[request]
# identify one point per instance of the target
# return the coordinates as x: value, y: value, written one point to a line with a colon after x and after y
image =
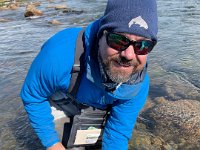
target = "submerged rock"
x: 177, y: 120
x: 13, y: 6
x: 36, y: 4
x: 64, y: 9
x: 147, y: 141
x: 4, y: 20
x: 72, y: 11
x: 167, y: 125
x: 55, y: 22
x: 32, y: 11
x: 58, y: 7
x: 9, y: 6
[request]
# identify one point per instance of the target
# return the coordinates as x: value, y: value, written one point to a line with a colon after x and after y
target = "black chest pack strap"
x: 85, y: 128
x: 78, y: 67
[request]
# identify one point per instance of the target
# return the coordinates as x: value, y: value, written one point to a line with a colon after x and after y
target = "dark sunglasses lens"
x: 116, y: 41
x: 143, y: 47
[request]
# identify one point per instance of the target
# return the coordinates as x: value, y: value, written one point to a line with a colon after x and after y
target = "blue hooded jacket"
x: 51, y: 71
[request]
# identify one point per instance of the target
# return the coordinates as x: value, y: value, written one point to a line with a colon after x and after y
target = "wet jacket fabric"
x: 51, y: 72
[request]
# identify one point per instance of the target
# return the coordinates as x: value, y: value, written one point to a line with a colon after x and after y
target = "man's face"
x: 121, y: 65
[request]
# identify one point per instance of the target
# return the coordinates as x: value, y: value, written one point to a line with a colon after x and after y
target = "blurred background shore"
x: 171, y: 117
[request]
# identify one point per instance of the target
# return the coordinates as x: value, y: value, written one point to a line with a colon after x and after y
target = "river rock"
x: 13, y: 6
x: 32, y: 11
x: 4, y: 20
x: 36, y: 4
x: 9, y: 5
x: 147, y: 141
x: 3, y: 8
x: 177, y: 120
x: 72, y: 11
x: 60, y: 7
x: 55, y: 22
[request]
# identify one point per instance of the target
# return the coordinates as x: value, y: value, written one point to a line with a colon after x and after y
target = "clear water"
x: 174, y: 64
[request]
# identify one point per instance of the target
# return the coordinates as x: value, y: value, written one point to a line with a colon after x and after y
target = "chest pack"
x: 85, y: 128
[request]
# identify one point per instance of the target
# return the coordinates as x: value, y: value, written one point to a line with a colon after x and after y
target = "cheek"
x: 142, y: 59
x: 104, y: 50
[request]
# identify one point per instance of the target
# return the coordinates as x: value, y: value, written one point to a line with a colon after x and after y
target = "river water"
x: 174, y: 66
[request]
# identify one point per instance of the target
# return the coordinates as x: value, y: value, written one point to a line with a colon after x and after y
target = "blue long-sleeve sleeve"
x: 49, y: 72
x: 120, y: 124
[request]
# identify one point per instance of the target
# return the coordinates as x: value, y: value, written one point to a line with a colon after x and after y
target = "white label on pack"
x: 87, y: 136
x: 92, y: 138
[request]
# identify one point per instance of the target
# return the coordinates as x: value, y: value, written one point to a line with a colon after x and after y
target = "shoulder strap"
x: 78, y: 67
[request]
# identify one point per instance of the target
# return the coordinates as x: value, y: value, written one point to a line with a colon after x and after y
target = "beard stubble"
x: 124, y: 71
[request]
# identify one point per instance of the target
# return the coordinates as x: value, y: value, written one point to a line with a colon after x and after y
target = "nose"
x: 128, y: 53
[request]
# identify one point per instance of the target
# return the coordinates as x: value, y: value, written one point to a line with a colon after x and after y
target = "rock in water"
x: 177, y: 120
x: 55, y: 22
x: 60, y: 7
x: 32, y: 11
x: 4, y: 20
x: 147, y: 141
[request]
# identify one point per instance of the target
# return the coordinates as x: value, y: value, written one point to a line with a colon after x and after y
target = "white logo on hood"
x: 138, y: 20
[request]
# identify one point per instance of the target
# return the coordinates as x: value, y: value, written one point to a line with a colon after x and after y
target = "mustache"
x: 125, y: 62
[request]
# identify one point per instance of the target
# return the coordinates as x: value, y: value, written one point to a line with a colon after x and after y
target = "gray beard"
x: 115, y: 76
x: 118, y: 77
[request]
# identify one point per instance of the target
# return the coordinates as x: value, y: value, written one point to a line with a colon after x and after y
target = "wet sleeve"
x: 49, y: 72
x: 120, y: 124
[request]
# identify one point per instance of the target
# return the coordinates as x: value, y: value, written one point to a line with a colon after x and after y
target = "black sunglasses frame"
x: 152, y: 43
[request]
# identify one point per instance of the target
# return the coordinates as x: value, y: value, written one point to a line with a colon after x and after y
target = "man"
x: 115, y: 62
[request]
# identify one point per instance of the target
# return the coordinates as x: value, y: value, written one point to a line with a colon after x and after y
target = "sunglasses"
x: 120, y: 43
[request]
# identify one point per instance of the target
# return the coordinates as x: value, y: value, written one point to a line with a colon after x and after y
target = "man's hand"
x: 57, y: 146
